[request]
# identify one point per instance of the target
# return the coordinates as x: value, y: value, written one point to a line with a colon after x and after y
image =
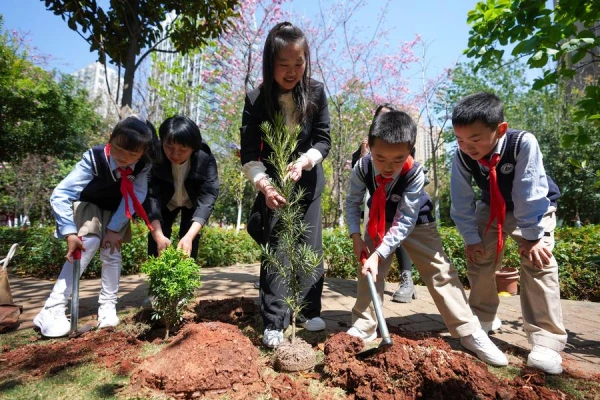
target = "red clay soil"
x: 114, y: 350
x: 426, y: 369
x: 206, y: 359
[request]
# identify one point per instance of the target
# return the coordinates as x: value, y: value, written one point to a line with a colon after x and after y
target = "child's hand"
x: 73, y: 243
x: 536, y: 252
x: 162, y: 242
x: 372, y: 266
x: 185, y: 244
x: 295, y: 169
x: 113, y: 240
x: 359, y: 246
x: 474, y: 251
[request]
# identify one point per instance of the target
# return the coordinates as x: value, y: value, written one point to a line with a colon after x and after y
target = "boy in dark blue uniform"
x: 517, y: 199
x: 400, y: 213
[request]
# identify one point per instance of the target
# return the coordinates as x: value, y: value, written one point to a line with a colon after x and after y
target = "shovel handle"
x: 385, y: 334
x: 75, y: 295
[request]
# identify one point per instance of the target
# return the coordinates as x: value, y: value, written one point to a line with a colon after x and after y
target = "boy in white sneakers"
x: 517, y: 199
x: 400, y: 212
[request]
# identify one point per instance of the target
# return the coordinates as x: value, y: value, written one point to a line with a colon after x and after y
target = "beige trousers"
x: 424, y: 246
x: 540, y: 291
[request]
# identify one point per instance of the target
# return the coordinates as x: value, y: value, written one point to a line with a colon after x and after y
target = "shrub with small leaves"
x: 173, y: 278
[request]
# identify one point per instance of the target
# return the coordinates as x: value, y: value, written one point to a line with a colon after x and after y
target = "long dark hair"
x: 282, y: 35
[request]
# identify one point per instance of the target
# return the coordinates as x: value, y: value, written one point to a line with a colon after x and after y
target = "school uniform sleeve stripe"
x: 462, y: 207
x: 406, y: 216
x: 530, y: 189
x: 354, y: 199
x: 68, y: 191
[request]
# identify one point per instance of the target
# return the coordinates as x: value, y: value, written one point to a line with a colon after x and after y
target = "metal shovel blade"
x: 386, y: 340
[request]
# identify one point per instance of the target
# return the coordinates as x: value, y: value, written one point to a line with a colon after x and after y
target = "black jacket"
x: 201, y: 184
x: 314, y: 134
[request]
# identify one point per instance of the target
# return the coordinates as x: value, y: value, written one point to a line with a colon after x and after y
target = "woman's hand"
x: 273, y: 199
x: 295, y: 169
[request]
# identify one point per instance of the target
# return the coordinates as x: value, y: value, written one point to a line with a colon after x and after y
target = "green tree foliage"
x: 131, y: 27
x: 39, y: 114
x: 557, y: 40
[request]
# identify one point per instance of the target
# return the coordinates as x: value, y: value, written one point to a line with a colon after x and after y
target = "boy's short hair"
x: 181, y: 130
x: 481, y: 107
x: 393, y: 127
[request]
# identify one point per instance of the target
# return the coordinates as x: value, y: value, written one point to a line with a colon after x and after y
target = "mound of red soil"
x: 203, y: 360
x: 427, y: 369
x: 112, y: 349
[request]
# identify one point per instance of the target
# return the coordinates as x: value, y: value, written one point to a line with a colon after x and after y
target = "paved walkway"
x: 582, y: 319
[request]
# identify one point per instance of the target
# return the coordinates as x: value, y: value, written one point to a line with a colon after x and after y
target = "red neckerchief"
x: 376, y: 224
x: 127, y: 191
x: 497, y: 204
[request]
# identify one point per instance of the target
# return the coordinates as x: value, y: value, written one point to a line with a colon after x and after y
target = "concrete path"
x: 582, y: 319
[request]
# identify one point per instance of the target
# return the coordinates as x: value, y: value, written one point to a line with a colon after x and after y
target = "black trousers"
x: 276, y: 314
x: 404, y: 261
x: 167, y: 227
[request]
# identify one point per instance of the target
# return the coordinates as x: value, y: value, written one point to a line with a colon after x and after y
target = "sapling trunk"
x: 292, y: 259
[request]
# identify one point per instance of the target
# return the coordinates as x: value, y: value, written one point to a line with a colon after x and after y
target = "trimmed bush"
x: 42, y: 256
x: 338, y: 255
x: 220, y: 247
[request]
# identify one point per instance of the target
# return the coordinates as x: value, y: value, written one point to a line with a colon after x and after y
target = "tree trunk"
x: 239, y: 217
x: 130, y: 66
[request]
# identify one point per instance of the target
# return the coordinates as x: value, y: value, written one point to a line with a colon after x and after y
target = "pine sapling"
x: 292, y: 259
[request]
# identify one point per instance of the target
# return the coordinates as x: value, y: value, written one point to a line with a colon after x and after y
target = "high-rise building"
x: 181, y: 71
x: 94, y: 79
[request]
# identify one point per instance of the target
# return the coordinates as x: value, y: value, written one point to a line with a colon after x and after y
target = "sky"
x: 441, y: 23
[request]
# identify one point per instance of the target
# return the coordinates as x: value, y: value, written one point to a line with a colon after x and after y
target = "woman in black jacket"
x: 186, y: 181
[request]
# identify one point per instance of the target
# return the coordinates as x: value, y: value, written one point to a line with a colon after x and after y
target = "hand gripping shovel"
x: 386, y: 340
x: 75, y: 300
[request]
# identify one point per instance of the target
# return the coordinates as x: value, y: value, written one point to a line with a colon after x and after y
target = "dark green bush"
x: 224, y: 247
x: 42, y: 256
x: 338, y: 255
x: 577, y: 253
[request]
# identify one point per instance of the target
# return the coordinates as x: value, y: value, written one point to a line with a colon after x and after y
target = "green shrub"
x: 338, y: 254
x: 172, y: 279
x: 219, y: 247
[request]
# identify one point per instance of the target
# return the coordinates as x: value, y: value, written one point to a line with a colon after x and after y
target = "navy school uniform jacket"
x: 201, y: 185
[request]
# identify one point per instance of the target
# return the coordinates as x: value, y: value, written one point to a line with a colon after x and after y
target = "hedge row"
x: 577, y: 253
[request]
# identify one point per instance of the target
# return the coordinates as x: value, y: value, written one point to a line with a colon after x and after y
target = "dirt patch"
x: 299, y: 356
x: 114, y: 350
x: 203, y: 360
x: 426, y: 369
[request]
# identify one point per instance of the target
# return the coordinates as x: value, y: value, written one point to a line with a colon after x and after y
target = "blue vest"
x: 396, y: 190
x: 104, y: 190
x: 505, y: 171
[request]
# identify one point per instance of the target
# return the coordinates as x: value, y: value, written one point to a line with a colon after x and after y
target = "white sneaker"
x: 359, y: 333
x: 272, y: 337
x: 314, y: 324
x: 480, y: 344
x: 53, y: 322
x: 546, y: 359
x: 107, y: 317
x: 491, y: 326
